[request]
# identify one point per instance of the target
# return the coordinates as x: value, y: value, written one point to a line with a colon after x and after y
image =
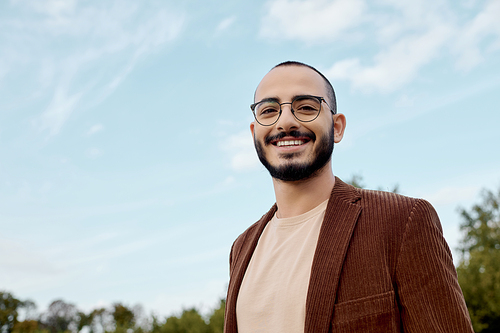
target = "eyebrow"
x: 269, y: 99
x: 277, y: 99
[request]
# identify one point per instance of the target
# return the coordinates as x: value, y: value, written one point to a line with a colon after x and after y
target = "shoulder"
x: 386, y: 208
x: 240, y: 240
x: 387, y: 203
x: 369, y: 198
x: 396, y: 204
x: 251, y: 234
x: 374, y: 198
x: 400, y: 220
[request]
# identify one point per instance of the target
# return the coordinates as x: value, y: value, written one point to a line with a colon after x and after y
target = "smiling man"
x: 329, y: 257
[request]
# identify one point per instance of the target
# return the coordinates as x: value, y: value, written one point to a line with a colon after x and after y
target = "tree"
x: 356, y: 181
x: 9, y: 310
x: 479, y: 267
x: 60, y: 316
x: 84, y: 320
x: 216, y: 320
x: 27, y: 326
x: 101, y: 321
x: 123, y: 316
x: 156, y: 325
x: 189, y: 322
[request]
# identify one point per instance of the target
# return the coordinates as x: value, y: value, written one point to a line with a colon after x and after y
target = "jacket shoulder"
x: 251, y: 233
x: 390, y: 203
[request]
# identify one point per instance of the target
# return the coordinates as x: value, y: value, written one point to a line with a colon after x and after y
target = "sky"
x: 127, y: 167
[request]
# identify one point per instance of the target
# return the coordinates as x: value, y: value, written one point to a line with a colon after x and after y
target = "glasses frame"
x: 319, y: 98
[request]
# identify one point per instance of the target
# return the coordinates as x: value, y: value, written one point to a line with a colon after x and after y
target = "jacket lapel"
x: 241, y: 254
x: 340, y: 219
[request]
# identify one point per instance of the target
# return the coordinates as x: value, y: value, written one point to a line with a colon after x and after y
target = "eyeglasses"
x: 305, y: 108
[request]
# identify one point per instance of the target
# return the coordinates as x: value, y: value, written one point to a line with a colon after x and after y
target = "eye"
x: 306, y: 105
x: 268, y: 109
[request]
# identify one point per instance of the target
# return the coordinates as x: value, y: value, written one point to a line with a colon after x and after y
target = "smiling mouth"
x: 289, y: 143
x: 290, y: 139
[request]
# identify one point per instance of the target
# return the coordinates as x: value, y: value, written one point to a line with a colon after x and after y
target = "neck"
x: 298, y: 197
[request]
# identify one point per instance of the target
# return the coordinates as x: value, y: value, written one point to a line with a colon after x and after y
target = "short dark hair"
x: 332, y: 101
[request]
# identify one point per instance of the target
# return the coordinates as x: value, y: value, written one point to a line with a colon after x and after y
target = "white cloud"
x: 77, y: 53
x: 94, y: 152
x: 394, y: 66
x: 452, y: 195
x: 17, y: 257
x: 94, y: 129
x: 400, y: 37
x: 225, y: 24
x: 241, y: 148
x: 405, y: 101
x: 310, y: 21
x: 484, y: 25
x: 54, y: 8
x: 409, y: 34
x: 58, y: 111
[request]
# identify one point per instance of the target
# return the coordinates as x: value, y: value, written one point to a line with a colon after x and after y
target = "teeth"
x: 290, y: 143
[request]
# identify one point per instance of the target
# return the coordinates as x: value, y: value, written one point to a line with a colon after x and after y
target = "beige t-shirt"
x: 273, y: 292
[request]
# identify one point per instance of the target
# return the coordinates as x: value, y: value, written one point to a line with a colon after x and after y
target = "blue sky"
x: 127, y: 167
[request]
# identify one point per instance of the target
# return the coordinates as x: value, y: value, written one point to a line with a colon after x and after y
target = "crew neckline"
x: 294, y: 220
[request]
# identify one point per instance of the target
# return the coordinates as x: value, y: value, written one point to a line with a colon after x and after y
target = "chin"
x: 291, y: 167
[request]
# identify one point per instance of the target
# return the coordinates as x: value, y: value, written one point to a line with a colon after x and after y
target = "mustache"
x: 295, y: 134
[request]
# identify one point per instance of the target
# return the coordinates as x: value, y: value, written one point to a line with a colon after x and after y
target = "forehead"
x: 285, y: 82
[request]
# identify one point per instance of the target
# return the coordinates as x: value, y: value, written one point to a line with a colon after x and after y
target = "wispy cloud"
x: 241, y: 150
x: 55, y: 264
x: 79, y: 52
x: 400, y: 37
x: 474, y: 33
x: 394, y: 66
x: 94, y: 129
x: 59, y: 110
x: 17, y: 257
x: 225, y: 24
x: 310, y: 21
x: 452, y: 195
x: 94, y: 152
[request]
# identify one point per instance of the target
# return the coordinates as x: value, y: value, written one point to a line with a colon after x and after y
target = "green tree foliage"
x: 356, y: 181
x: 216, y: 320
x: 62, y: 317
x: 479, y: 268
x: 156, y: 325
x: 59, y: 316
x: 189, y: 322
x: 123, y: 316
x: 27, y: 326
x: 84, y: 320
x: 9, y: 310
x: 101, y: 320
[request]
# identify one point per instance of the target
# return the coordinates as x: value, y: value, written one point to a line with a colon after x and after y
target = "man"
x: 329, y: 257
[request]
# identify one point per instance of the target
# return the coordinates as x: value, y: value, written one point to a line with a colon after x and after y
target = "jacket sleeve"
x: 231, y: 259
x: 429, y: 295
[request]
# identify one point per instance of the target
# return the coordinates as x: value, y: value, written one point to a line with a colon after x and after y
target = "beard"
x: 294, y: 171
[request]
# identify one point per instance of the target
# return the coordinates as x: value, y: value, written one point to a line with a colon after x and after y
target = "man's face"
x: 292, y: 150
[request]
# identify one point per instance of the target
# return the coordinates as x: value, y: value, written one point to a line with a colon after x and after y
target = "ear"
x: 339, y: 124
x: 252, y: 128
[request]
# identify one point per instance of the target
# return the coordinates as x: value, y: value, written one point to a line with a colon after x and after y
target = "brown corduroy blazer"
x: 381, y: 265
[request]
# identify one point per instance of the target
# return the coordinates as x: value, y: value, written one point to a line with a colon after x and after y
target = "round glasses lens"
x: 267, y: 112
x: 306, y: 108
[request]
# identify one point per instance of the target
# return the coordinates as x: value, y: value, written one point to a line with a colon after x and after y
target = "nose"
x: 287, y: 120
